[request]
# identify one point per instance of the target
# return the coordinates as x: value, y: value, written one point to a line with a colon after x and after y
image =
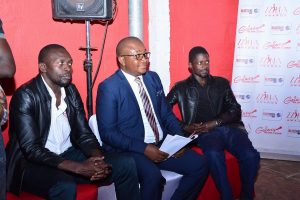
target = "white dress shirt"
x: 58, y: 139
x: 149, y: 134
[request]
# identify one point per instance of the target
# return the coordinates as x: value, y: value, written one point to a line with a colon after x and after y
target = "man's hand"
x: 93, y: 168
x: 194, y: 128
x: 154, y: 154
x: 200, y: 127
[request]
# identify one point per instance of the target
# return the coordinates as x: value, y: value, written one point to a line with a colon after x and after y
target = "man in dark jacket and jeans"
x: 208, y: 108
x: 51, y: 146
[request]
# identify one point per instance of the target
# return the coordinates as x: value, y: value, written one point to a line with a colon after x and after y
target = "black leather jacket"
x: 221, y: 97
x: 30, y: 111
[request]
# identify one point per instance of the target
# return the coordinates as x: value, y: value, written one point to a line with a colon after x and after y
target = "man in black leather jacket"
x: 51, y: 146
x: 208, y: 108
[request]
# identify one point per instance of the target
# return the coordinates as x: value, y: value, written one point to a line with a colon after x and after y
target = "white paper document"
x: 174, y: 143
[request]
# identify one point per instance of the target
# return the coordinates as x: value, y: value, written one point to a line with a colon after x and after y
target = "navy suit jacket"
x: 118, y: 114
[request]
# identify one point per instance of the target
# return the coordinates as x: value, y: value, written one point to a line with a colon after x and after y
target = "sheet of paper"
x: 174, y: 143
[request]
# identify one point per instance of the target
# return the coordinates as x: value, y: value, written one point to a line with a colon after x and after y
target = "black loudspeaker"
x: 82, y: 9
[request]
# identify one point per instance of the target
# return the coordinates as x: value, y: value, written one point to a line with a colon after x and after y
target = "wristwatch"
x: 218, y: 122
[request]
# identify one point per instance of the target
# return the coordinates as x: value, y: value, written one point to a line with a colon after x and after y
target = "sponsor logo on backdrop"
x: 272, y: 80
x: 278, y: 45
x: 248, y: 128
x: 280, y: 29
x: 252, y: 28
x: 297, y: 11
x: 249, y: 114
x: 298, y: 29
x: 249, y: 12
x: 295, y: 81
x: 268, y: 130
x: 246, y: 43
x: 243, y: 97
x: 293, y: 131
x: 298, y: 46
x: 246, y: 79
x: 270, y: 61
x: 292, y: 100
x: 293, y: 64
x: 276, y: 10
x: 266, y: 98
x: 272, y: 115
x: 293, y: 116
x: 244, y: 61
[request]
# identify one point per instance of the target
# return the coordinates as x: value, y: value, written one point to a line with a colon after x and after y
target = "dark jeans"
x: 2, y: 169
x: 191, y: 165
x: 235, y: 141
x: 55, y: 184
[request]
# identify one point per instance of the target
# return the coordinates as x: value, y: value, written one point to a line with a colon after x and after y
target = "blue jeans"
x: 235, y: 141
x: 55, y: 184
x: 2, y: 169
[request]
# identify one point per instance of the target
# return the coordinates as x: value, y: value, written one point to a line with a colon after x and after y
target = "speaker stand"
x: 88, y: 65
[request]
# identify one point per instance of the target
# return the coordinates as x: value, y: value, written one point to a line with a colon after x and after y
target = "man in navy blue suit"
x: 133, y: 116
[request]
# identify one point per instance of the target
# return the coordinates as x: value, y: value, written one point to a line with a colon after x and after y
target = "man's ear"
x: 190, y: 67
x: 42, y: 67
x: 121, y: 60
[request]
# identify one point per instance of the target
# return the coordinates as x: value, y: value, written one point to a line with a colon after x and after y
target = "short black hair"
x: 45, y: 50
x: 195, y: 51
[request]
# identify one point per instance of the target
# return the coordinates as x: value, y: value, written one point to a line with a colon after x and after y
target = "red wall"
x: 207, y: 23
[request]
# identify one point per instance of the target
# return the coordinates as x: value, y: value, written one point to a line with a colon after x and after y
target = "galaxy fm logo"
x: 250, y: 11
x: 242, y: 97
x: 244, y: 61
x: 293, y: 131
x: 280, y: 29
x: 271, y: 80
x: 272, y: 115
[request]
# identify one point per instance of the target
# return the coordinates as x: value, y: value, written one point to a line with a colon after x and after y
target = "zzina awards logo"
x: 250, y: 11
x: 247, y: 43
x: 293, y: 116
x: 266, y: 98
x: 293, y: 131
x: 270, y: 61
x: 295, y: 81
x: 269, y: 130
x: 272, y: 115
x: 271, y: 80
x: 243, y: 97
x: 244, y: 61
x: 276, y: 10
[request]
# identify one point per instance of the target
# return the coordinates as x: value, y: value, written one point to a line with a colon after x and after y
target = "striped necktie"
x: 148, y: 108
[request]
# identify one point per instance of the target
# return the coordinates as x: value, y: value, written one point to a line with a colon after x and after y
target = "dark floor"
x: 278, y: 180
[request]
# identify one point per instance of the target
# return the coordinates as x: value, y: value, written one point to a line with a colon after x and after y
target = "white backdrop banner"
x: 266, y: 73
